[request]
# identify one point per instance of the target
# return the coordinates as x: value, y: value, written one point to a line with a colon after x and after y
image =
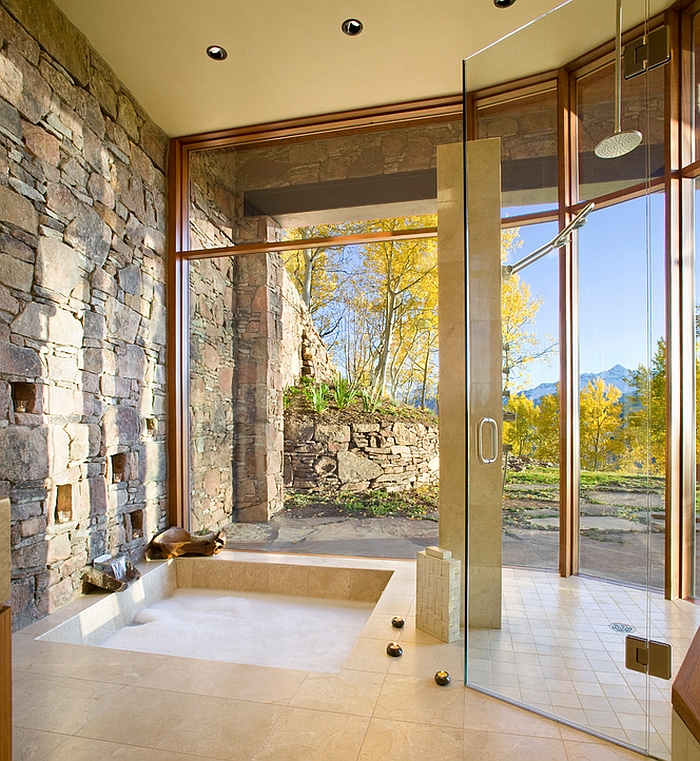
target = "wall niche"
x: 64, y: 503
x: 24, y: 397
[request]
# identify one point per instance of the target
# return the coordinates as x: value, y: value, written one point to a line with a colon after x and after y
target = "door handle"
x: 484, y: 423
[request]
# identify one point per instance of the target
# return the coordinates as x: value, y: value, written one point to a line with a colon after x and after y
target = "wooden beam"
x: 5, y: 684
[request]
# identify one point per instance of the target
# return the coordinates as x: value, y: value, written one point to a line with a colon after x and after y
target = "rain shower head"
x: 618, y: 144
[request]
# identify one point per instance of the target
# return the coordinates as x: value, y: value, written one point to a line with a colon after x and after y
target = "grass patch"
x: 590, y: 479
x: 420, y: 503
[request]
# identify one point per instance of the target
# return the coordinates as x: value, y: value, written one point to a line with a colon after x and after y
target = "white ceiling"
x: 289, y: 58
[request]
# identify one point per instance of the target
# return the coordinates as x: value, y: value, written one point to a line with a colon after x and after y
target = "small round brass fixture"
x: 442, y: 678
x: 397, y: 622
x: 352, y: 27
x: 394, y: 650
x: 217, y: 53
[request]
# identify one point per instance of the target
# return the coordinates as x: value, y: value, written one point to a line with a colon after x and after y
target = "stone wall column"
x: 258, y: 389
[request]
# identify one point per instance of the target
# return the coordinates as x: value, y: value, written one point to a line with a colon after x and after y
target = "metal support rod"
x: 559, y: 241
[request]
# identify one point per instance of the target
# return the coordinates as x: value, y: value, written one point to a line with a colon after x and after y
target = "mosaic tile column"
x: 438, y: 577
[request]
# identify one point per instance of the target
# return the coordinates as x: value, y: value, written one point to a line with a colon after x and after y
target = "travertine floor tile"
x: 68, y: 706
x: 414, y: 699
x: 179, y: 722
x: 33, y: 744
x: 411, y: 742
x: 350, y: 692
x: 305, y: 735
x: 261, y: 685
x: 83, y: 749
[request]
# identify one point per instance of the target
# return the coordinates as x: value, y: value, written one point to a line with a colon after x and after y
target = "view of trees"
x: 375, y: 305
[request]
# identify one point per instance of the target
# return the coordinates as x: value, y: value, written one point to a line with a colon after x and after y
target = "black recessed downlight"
x: 217, y: 53
x: 352, y: 27
x: 503, y: 3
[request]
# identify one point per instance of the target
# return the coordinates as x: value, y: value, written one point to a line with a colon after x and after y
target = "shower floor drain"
x: 624, y: 628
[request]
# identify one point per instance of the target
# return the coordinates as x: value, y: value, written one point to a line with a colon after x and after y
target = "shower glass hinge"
x: 648, y: 657
x: 647, y: 52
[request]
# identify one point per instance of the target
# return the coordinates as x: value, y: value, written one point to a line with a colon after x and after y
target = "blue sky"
x: 616, y: 285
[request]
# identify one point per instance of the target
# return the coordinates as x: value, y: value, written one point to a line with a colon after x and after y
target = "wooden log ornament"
x: 176, y: 541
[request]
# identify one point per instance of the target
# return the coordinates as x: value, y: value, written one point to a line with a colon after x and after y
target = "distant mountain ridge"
x: 615, y: 376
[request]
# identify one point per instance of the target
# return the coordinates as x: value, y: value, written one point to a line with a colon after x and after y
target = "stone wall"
x: 303, y: 352
x: 250, y: 337
x: 82, y: 308
x: 374, y: 452
x: 344, y: 157
x: 212, y: 365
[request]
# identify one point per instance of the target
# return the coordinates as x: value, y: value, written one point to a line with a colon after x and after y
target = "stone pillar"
x: 258, y: 387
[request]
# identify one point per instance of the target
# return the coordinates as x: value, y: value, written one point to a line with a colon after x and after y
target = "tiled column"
x: 483, y: 577
x: 438, y: 593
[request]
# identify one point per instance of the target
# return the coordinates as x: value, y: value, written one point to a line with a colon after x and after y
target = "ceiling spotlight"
x: 503, y: 3
x: 352, y: 27
x: 217, y: 53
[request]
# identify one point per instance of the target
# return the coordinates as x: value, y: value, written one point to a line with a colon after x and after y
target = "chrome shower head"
x: 618, y: 144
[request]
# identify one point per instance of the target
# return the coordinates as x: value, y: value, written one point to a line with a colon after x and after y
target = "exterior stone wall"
x: 381, y: 152
x: 356, y: 455
x: 303, y: 351
x: 212, y: 365
x: 82, y: 308
x: 250, y: 337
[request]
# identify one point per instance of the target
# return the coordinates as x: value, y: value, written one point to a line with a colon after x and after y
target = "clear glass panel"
x: 527, y: 127
x: 623, y: 392
x: 335, y: 434
x: 212, y: 342
x: 530, y: 329
x: 642, y: 109
x: 560, y: 649
x: 254, y: 193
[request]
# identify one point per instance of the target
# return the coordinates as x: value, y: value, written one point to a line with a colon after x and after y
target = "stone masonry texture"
x: 82, y: 308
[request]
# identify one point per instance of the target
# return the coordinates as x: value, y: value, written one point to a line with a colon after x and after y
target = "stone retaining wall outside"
x: 375, y: 453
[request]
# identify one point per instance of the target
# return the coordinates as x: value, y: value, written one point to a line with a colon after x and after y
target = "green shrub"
x: 344, y: 392
x: 318, y: 397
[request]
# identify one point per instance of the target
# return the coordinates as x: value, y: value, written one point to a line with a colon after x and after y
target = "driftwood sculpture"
x: 176, y: 541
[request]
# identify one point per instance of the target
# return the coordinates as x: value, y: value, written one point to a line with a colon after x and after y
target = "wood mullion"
x: 178, y: 353
x: 680, y: 318
x: 568, y: 337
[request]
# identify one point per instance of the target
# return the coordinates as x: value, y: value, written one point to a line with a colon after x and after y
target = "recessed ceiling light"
x: 217, y: 53
x: 503, y: 3
x: 352, y: 27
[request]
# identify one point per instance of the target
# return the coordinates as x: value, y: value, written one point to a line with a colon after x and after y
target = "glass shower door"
x: 558, y: 645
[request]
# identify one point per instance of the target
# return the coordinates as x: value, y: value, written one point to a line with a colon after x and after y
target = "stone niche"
x: 82, y: 308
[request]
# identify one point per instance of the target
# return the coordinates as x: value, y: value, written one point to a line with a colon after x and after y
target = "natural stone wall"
x: 82, y: 308
x: 380, y: 152
x: 303, y: 351
x: 250, y: 336
x: 212, y: 365
x: 355, y: 455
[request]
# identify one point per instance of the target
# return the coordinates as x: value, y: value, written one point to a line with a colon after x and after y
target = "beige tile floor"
x: 79, y: 703
x: 557, y: 652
